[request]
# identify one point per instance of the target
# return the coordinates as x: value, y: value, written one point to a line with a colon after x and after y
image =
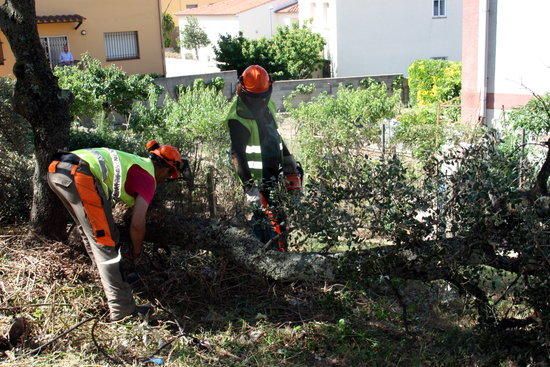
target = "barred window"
x: 121, y: 45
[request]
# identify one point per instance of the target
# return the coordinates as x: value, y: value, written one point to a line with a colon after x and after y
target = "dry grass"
x: 211, y: 312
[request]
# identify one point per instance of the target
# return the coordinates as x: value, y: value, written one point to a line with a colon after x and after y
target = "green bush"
x: 294, y: 52
x: 534, y: 117
x: 194, y: 118
x: 99, y: 89
x: 168, y: 27
x: 329, y: 127
x: 432, y: 81
x: 16, y: 155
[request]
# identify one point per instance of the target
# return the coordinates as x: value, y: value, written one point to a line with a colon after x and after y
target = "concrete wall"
x: 101, y: 17
x: 384, y: 37
x: 281, y: 89
x: 171, y: 84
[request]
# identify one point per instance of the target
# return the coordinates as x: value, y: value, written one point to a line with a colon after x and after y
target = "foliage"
x: 193, y: 36
x: 218, y: 83
x: 294, y: 52
x: 432, y: 81
x: 98, y: 89
x: 330, y: 126
x: 194, y: 119
x: 168, y: 27
x: 298, y: 50
x: 534, y: 117
x: 15, y: 154
x: 426, y: 129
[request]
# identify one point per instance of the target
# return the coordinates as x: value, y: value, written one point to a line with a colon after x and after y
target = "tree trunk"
x: 197, y: 53
x: 40, y: 101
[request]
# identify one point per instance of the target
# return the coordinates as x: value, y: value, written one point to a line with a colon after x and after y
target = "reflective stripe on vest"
x: 110, y: 168
x: 253, y: 145
x: 117, y: 179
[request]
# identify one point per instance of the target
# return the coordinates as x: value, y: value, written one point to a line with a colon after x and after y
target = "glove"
x: 253, y: 196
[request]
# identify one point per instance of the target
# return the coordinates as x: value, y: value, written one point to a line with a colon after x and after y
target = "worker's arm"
x: 137, y: 226
x: 239, y: 136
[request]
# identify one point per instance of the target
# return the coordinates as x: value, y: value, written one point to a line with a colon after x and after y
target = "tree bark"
x: 38, y: 98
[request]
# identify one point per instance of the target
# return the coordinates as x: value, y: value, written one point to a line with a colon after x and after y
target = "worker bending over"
x: 88, y: 181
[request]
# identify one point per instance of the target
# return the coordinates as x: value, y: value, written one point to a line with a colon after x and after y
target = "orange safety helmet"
x: 168, y: 154
x: 255, y: 79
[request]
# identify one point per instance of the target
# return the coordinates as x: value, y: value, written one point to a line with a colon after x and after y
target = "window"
x: 1, y: 54
x: 439, y: 8
x: 325, y: 13
x: 53, y: 46
x: 439, y: 58
x: 312, y: 13
x: 191, y: 6
x: 121, y: 46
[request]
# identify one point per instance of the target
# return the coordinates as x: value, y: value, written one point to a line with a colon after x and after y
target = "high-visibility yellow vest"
x: 253, y: 145
x: 110, y: 168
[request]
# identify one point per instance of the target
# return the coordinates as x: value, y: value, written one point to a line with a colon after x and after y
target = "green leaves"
x: 294, y: 52
x: 193, y: 36
x: 433, y: 81
x: 534, y: 117
x: 100, y: 89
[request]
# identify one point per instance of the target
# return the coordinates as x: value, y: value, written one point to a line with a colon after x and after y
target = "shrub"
x: 16, y: 155
x: 102, y: 89
x: 293, y: 53
x: 168, y: 27
x: 534, y: 117
x: 195, y: 117
x: 432, y: 81
x: 329, y: 127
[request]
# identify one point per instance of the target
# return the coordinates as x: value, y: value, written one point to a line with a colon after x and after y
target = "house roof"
x: 291, y: 7
x: 225, y: 7
x: 62, y: 18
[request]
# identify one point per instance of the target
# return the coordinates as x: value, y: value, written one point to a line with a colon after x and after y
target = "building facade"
x: 368, y: 37
x: 124, y: 32
x: 506, y: 56
x: 254, y: 18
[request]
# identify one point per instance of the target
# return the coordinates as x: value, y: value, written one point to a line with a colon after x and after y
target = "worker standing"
x: 259, y: 154
x: 87, y: 181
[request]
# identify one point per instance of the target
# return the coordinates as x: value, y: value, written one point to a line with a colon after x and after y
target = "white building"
x: 254, y: 18
x: 506, y: 55
x: 368, y: 37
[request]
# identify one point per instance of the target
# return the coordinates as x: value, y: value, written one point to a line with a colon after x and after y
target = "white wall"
x: 519, y: 51
x: 255, y: 23
x: 259, y: 22
x: 384, y: 37
x: 214, y: 26
x: 321, y: 17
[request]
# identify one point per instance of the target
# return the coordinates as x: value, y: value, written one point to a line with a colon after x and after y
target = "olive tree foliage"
x: 193, y: 37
